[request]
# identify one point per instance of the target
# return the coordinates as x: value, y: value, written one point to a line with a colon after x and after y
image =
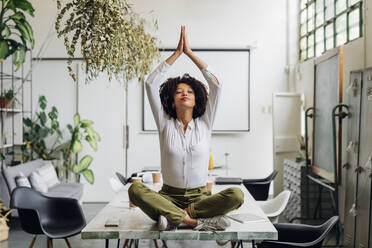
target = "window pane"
x: 303, y: 16
x: 319, y: 41
x: 329, y: 9
x: 303, y: 29
x: 329, y: 36
x: 319, y: 6
x: 310, y: 25
x: 352, y: 2
x: 303, y: 4
x: 354, y: 29
x: 319, y: 9
x: 341, y: 30
x: 310, y: 45
x: 311, y: 10
x: 303, y: 43
x: 340, y: 6
x: 310, y: 16
x: 303, y: 55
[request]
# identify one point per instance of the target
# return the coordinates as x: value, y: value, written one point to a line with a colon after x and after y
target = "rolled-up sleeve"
x: 152, y: 85
x: 215, y: 87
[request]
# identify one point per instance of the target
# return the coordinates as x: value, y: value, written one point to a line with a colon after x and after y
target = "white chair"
x: 274, y: 207
x: 115, y: 184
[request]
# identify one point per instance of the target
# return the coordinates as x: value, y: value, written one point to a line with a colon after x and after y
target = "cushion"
x: 70, y: 190
x: 11, y: 172
x: 22, y: 181
x: 38, y: 183
x: 49, y: 175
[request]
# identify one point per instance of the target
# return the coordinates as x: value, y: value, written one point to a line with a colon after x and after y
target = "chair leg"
x: 233, y: 243
x: 130, y: 243
x: 156, y: 243
x: 49, y: 243
x: 125, y: 243
x: 164, y: 243
x: 68, y: 243
x: 32, y: 242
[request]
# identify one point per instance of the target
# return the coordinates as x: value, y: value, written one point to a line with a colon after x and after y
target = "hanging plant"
x: 111, y: 37
x: 16, y: 35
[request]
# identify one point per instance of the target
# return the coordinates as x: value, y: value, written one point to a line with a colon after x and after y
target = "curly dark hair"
x: 168, y: 88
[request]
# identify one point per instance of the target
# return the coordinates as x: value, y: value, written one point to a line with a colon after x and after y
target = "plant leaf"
x: 92, y: 142
x: 76, y: 119
x: 89, y: 176
x: 86, y: 123
x: 18, y: 16
x: 4, y: 49
x: 69, y: 127
x: 22, y: 56
x: 27, y: 122
x: 30, y: 32
x: 75, y: 169
x: 24, y: 5
x: 85, y: 162
x: 7, y: 31
x: 76, y: 146
x: 42, y: 102
x: 43, y: 118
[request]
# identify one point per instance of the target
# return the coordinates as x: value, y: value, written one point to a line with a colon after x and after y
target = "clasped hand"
x: 183, y: 44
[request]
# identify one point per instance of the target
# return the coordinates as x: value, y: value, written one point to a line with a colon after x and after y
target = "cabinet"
x: 304, y: 199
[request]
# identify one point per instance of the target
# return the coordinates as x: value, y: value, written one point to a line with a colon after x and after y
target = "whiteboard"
x: 231, y: 67
x: 326, y: 97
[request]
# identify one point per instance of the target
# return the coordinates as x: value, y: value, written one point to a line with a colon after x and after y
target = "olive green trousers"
x: 171, y: 202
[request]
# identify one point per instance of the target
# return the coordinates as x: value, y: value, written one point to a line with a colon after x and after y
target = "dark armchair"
x: 259, y: 188
x: 298, y: 235
x: 57, y: 218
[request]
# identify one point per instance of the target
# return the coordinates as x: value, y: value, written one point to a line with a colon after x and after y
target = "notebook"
x: 246, y: 218
x: 228, y: 180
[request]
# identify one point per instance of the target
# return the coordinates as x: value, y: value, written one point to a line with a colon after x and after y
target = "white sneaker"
x: 164, y: 225
x: 213, y: 224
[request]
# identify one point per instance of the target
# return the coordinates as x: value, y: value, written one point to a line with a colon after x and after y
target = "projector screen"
x: 231, y: 67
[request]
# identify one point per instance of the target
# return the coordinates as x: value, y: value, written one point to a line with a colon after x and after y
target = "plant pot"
x: 5, y: 103
x: 4, y: 230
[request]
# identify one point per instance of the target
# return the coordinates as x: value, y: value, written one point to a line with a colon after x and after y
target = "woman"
x: 184, y: 115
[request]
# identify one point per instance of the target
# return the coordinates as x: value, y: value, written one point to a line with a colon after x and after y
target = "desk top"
x: 134, y: 224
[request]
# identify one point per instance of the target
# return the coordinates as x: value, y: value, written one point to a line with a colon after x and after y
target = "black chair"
x: 299, y: 235
x: 57, y: 218
x: 122, y: 178
x: 259, y: 188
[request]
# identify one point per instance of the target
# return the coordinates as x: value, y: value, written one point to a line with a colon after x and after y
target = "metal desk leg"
x: 118, y: 245
x: 107, y: 243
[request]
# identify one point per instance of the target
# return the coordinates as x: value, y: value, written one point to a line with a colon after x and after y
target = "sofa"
x: 59, y: 189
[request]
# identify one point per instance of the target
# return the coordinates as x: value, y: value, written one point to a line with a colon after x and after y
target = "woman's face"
x: 184, y: 96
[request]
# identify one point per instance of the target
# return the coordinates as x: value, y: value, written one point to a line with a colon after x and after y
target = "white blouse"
x: 184, y: 155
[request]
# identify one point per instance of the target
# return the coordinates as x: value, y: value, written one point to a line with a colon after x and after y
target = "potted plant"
x: 111, y: 37
x: 16, y: 35
x: 6, y: 99
x: 4, y: 229
x: 39, y: 128
x: 82, y: 130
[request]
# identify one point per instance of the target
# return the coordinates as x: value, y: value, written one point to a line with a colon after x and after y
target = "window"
x: 325, y: 24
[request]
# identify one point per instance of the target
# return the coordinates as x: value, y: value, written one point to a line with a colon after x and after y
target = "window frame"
x: 349, y: 8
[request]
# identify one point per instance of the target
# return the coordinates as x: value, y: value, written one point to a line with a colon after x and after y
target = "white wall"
x: 209, y: 23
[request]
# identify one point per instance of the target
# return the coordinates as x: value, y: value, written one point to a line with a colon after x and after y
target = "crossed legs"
x: 178, y: 211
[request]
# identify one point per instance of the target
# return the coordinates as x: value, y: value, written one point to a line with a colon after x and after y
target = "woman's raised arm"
x: 214, y: 85
x: 154, y: 81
